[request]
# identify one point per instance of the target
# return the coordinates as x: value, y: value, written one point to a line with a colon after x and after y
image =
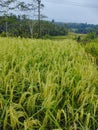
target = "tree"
x: 5, y: 7
x: 34, y: 8
x: 39, y: 3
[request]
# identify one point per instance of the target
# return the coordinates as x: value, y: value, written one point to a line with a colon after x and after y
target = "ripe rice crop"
x: 47, y: 85
x: 92, y: 48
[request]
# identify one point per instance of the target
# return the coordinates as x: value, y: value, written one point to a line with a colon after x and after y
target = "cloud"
x: 72, y: 10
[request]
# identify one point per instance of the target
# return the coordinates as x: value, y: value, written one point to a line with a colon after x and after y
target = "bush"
x: 47, y: 36
x: 3, y: 34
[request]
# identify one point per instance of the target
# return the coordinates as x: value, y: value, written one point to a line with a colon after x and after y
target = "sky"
x: 79, y: 11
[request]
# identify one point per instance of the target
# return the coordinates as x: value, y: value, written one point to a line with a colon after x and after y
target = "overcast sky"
x: 80, y: 11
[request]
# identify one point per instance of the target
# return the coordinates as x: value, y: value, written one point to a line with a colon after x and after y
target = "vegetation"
x: 90, y: 37
x: 47, y: 85
x: 82, y: 28
x: 23, y: 27
x: 92, y: 48
x: 7, y: 6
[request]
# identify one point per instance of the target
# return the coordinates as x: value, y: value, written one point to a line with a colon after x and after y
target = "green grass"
x: 70, y: 35
x: 47, y: 85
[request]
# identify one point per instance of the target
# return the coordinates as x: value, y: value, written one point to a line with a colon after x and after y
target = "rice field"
x: 47, y: 85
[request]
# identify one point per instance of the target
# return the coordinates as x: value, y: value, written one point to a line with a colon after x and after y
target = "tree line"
x: 24, y: 27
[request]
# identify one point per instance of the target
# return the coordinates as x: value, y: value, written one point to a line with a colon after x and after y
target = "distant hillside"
x: 82, y: 28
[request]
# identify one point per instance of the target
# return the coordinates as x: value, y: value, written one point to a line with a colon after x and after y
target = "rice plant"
x: 47, y: 85
x: 92, y: 48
